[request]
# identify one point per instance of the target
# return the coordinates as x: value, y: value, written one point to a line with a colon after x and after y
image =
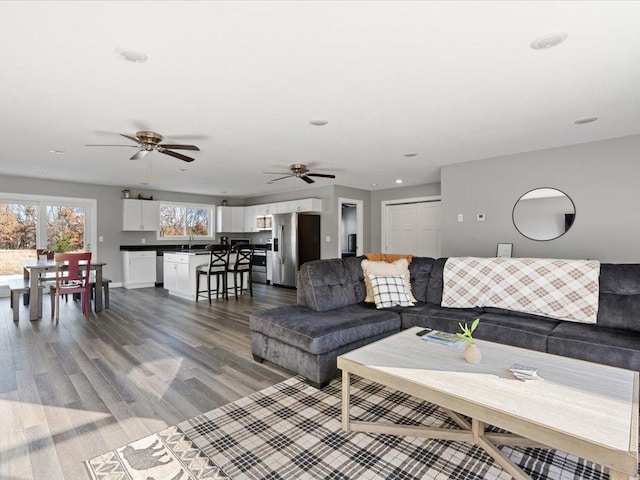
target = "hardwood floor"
x: 71, y: 391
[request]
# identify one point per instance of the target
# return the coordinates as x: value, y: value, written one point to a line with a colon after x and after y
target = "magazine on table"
x: 443, y: 338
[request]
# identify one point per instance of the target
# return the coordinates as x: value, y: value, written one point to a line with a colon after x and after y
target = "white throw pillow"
x: 389, y: 291
x: 399, y: 267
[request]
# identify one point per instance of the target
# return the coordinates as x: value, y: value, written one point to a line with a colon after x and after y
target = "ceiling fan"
x: 149, y: 141
x: 299, y: 170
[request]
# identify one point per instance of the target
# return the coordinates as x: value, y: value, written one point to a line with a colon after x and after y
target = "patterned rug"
x: 292, y: 431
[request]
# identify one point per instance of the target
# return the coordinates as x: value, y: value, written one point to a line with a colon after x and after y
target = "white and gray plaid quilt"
x: 561, y: 289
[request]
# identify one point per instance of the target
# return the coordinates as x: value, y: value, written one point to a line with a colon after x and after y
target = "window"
x: 28, y: 222
x: 179, y: 220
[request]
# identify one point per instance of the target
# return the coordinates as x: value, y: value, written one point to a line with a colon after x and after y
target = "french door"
x: 31, y: 222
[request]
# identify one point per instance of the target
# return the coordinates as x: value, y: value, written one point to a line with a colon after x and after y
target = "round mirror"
x: 544, y: 214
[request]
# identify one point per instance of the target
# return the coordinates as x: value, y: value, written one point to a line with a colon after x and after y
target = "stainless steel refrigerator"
x: 296, y: 240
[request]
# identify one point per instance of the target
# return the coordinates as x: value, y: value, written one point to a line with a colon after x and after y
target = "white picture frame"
x: 505, y: 250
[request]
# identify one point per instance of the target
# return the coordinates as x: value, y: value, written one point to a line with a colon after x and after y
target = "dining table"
x: 33, y: 269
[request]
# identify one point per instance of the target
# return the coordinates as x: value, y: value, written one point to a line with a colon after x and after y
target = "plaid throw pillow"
x: 389, y: 291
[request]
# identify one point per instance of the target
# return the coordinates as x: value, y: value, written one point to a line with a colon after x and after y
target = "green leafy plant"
x: 62, y: 245
x: 467, y: 332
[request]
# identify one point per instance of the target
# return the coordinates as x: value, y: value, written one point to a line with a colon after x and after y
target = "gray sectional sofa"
x: 331, y: 318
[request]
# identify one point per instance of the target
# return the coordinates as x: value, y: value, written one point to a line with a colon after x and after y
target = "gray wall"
x: 109, y: 212
x: 600, y: 177
x: 417, y: 191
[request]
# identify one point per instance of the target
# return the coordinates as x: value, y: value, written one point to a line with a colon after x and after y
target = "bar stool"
x: 217, y: 266
x: 242, y: 265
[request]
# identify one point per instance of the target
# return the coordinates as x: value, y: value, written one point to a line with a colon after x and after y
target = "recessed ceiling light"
x: 549, y: 40
x: 144, y: 183
x: 374, y: 184
x: 224, y: 191
x: 269, y: 182
x: 42, y: 172
x: 131, y: 56
x: 183, y: 170
x: 410, y: 154
x: 318, y: 123
x: 582, y: 121
x: 399, y: 180
x: 58, y: 152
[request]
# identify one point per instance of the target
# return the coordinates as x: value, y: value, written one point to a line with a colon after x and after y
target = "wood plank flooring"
x: 71, y: 391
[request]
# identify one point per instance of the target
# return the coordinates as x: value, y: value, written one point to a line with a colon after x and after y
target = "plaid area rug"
x: 292, y: 431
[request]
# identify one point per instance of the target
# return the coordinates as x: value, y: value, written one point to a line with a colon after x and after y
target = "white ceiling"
x: 452, y: 81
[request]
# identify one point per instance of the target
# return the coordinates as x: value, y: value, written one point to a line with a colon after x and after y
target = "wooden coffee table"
x: 583, y: 408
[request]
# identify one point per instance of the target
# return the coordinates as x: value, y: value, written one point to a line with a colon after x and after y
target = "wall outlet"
x: 327, y: 238
x: 480, y: 217
x: 460, y: 217
x: 143, y: 241
x: 101, y: 238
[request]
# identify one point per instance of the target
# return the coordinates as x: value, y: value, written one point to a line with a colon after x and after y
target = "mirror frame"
x: 513, y: 214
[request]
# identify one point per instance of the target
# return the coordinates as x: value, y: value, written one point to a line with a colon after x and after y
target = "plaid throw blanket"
x: 562, y: 289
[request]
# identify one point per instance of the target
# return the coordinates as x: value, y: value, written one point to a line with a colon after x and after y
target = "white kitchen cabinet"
x: 309, y: 205
x: 250, y: 219
x: 265, y: 209
x: 286, y: 207
x: 229, y: 219
x: 177, y: 273
x: 140, y: 215
x: 139, y: 269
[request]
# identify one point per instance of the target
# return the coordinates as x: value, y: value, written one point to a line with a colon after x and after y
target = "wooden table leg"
x: 98, y: 298
x: 346, y: 392
x: 35, y: 300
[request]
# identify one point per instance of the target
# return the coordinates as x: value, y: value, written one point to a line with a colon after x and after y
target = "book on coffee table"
x: 444, y: 338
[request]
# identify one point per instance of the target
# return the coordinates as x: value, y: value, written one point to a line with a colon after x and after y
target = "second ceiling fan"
x: 299, y: 170
x: 148, y: 141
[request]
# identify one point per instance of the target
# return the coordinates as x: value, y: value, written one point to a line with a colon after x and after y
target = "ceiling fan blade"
x: 176, y: 155
x: 131, y: 138
x: 307, y: 179
x: 139, y: 154
x: 280, y: 178
x: 323, y: 175
x: 130, y: 146
x: 180, y: 147
x: 277, y: 173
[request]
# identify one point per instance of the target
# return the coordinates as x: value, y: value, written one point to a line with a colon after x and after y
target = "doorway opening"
x: 350, y: 227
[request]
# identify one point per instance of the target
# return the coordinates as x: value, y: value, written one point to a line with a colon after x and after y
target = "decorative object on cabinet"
x: 140, y: 197
x: 126, y: 193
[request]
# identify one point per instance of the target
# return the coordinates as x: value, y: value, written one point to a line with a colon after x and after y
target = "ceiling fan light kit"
x: 150, y: 141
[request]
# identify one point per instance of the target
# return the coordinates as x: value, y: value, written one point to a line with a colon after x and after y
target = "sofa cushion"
x: 596, y: 344
x: 420, y: 271
x: 389, y: 291
x: 354, y: 267
x: 436, y: 282
x: 438, y: 318
x: 326, y: 285
x: 316, y: 332
x: 526, y: 331
x: 398, y: 267
x: 619, y: 300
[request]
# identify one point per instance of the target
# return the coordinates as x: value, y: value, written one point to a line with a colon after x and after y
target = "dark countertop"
x: 175, y: 248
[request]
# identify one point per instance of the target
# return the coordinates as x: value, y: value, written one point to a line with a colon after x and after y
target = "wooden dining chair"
x: 72, y: 275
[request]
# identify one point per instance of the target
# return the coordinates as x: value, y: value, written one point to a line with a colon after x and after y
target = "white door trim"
x: 384, y: 220
x: 359, y: 221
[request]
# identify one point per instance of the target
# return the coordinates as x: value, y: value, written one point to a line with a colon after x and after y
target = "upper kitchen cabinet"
x: 140, y: 215
x: 250, y: 219
x: 265, y: 209
x: 229, y: 219
x: 303, y: 205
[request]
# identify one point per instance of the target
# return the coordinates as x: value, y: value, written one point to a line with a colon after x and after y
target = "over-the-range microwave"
x: 264, y: 222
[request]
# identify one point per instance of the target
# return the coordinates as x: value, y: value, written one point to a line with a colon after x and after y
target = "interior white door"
x: 414, y: 228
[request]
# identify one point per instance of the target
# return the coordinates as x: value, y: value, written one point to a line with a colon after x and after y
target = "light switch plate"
x: 460, y: 217
x: 327, y: 238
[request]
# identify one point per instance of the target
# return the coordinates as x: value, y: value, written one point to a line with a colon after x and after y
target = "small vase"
x: 472, y: 354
